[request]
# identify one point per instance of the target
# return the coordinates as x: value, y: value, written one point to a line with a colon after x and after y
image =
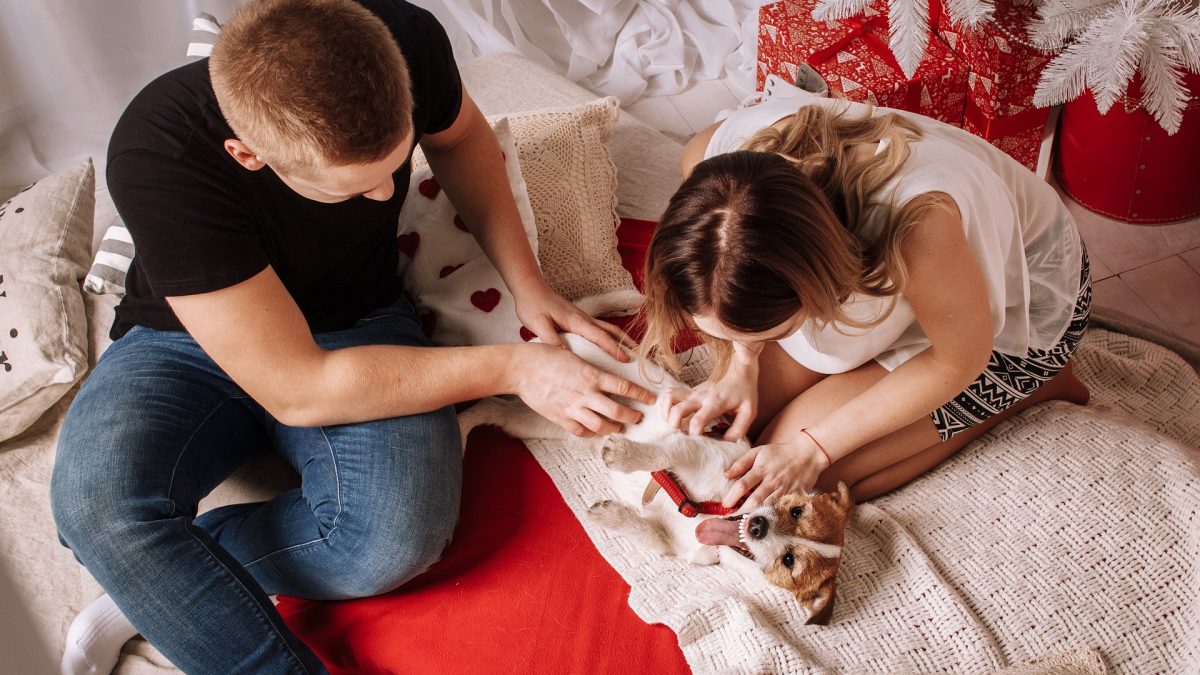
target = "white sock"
x: 95, y: 638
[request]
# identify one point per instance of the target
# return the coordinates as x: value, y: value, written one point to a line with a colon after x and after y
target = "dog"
x: 796, y: 541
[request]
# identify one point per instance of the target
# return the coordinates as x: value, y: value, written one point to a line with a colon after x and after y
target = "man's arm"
x: 258, y: 336
x: 255, y: 332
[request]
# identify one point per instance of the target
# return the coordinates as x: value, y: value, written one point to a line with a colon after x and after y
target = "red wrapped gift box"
x: 1005, y: 66
x: 1004, y: 73
x: 1020, y: 136
x: 854, y: 58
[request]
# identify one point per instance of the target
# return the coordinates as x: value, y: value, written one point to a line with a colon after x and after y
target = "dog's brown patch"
x: 811, y: 576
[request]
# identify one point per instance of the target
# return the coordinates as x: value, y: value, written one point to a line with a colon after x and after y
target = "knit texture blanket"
x: 1066, y: 540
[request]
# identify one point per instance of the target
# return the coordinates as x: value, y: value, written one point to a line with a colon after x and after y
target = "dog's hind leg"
x: 513, y: 416
x: 620, y: 517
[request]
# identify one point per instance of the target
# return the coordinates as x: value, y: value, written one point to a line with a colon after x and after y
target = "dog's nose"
x: 757, y: 527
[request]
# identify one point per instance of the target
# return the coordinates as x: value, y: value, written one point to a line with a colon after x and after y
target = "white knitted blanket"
x: 1070, y: 535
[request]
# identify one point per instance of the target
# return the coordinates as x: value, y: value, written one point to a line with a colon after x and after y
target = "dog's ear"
x: 844, y: 499
x: 818, y: 604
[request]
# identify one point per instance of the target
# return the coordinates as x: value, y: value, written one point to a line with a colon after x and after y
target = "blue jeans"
x: 158, y: 425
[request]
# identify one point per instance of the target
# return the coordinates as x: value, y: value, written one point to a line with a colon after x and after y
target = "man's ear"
x: 242, y: 154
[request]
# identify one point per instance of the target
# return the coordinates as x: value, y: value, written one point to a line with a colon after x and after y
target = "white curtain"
x: 68, y: 68
x: 627, y: 48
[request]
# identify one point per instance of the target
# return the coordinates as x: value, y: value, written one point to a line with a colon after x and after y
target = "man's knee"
x: 381, y: 561
x: 95, y: 518
x: 405, y: 526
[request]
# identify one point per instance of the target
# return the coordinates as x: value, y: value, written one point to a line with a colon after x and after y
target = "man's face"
x: 333, y: 184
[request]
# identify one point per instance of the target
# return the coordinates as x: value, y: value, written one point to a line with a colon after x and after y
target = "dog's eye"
x: 788, y: 560
x: 797, y: 512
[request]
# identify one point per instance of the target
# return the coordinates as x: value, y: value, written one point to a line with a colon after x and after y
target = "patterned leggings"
x: 1008, y: 379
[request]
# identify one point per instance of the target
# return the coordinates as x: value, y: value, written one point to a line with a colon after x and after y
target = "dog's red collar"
x: 685, y: 505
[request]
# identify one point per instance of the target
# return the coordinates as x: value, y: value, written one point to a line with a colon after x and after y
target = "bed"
x: 1088, y: 564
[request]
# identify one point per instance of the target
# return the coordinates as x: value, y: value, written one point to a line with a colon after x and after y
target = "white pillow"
x: 47, y: 233
x: 460, y: 296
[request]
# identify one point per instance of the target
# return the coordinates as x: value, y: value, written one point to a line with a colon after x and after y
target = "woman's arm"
x: 948, y: 295
x: 693, y: 152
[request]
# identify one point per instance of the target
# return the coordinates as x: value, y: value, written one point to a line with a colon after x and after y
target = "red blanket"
x: 521, y: 588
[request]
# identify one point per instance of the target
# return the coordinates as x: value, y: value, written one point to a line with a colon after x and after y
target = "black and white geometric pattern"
x: 1008, y: 378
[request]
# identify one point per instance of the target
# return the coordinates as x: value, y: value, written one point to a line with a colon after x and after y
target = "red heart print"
x: 458, y: 222
x: 409, y: 243
x: 486, y: 300
x: 448, y: 270
x: 527, y: 334
x: 429, y: 187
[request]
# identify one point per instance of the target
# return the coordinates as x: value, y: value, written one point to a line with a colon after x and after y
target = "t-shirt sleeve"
x: 436, y: 81
x: 742, y: 124
x: 188, y: 234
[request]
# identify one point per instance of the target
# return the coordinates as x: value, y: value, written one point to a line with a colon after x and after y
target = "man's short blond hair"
x: 312, y: 83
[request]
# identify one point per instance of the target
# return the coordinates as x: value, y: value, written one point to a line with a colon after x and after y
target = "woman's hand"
x: 773, y: 470
x: 736, y: 390
x: 573, y: 393
x: 546, y: 314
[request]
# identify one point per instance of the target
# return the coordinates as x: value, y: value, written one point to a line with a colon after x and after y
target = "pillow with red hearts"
x: 460, y: 296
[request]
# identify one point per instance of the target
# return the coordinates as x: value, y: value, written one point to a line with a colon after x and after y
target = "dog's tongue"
x: 718, y: 532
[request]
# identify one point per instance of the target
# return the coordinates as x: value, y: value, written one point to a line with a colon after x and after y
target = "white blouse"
x: 1022, y: 235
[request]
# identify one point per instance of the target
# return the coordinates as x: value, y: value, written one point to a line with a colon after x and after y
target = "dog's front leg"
x: 623, y: 454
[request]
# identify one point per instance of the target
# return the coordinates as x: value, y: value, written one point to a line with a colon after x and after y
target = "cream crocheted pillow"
x: 572, y: 186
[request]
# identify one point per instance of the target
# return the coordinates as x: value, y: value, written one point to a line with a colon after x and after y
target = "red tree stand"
x: 1124, y: 166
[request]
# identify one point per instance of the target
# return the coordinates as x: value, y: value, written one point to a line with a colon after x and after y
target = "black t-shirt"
x: 201, y: 222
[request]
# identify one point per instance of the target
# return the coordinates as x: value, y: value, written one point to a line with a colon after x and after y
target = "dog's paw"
x: 620, y: 517
x: 611, y: 514
x: 704, y: 556
x: 622, y: 454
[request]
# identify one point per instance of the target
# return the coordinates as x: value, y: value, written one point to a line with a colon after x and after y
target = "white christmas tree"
x: 1101, y: 44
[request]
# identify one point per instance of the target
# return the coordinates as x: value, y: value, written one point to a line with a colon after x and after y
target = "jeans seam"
x: 258, y: 610
x: 337, y: 480
x: 183, y: 451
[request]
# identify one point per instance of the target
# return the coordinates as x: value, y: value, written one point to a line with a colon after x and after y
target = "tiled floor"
x: 1150, y: 272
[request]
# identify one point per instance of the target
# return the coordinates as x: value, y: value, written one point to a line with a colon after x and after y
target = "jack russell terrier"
x: 796, y: 541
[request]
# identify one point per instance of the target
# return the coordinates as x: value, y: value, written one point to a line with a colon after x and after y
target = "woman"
x: 882, y: 289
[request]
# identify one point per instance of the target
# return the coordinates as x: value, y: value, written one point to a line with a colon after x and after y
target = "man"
x: 262, y: 189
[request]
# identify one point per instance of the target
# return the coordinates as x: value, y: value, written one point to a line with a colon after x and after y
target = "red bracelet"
x: 819, y: 446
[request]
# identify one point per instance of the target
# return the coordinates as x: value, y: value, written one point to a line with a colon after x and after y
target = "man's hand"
x: 574, y: 394
x: 546, y: 314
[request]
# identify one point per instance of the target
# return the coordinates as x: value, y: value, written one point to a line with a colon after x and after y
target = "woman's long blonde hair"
x: 791, y: 223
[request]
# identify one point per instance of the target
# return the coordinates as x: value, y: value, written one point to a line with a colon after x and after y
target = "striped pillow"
x: 112, y: 262
x: 108, y: 271
x: 204, y: 33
